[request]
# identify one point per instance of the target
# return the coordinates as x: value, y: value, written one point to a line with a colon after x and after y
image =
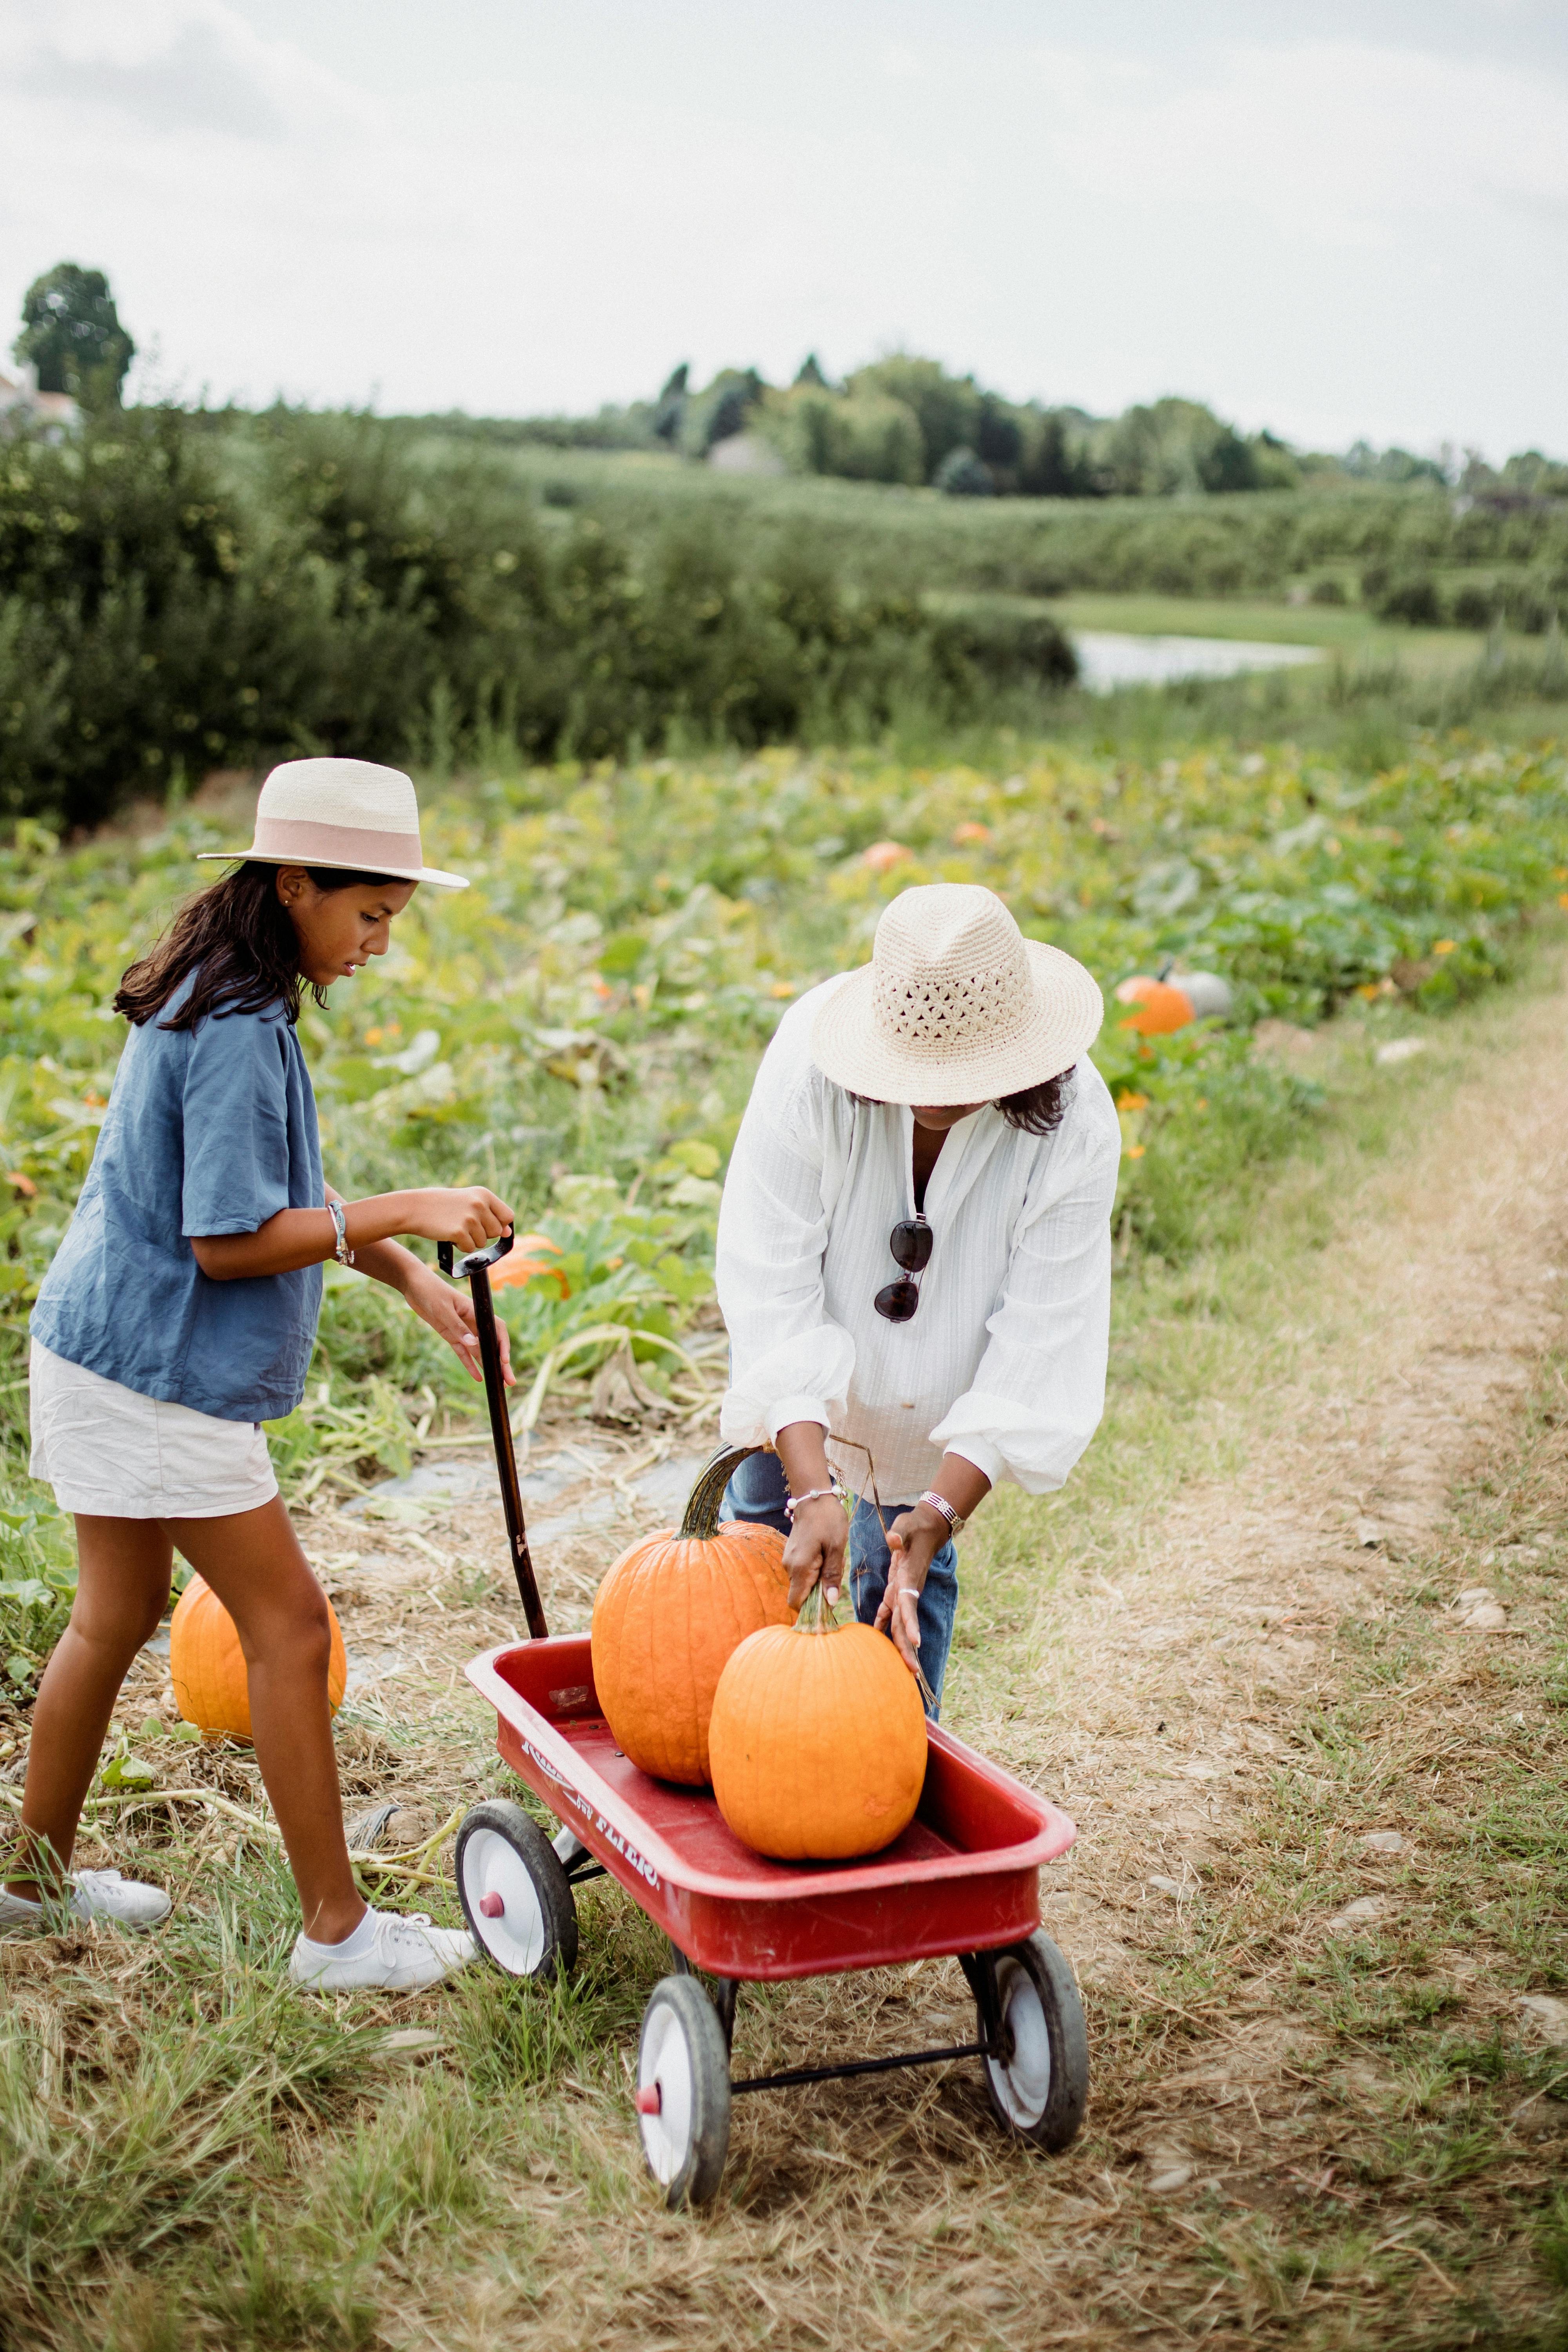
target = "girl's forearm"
x: 300, y: 1237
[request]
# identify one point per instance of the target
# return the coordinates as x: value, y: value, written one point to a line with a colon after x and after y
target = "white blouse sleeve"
x: 1039, y: 1390
x: 788, y: 1361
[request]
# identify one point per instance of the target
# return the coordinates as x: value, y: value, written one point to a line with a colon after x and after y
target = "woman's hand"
x: 467, y: 1215
x: 450, y: 1315
x: 914, y: 1539
x: 815, y: 1549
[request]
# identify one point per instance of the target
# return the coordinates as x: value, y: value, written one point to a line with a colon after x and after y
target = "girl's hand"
x: 450, y: 1315
x: 815, y: 1549
x: 914, y: 1539
x: 467, y: 1215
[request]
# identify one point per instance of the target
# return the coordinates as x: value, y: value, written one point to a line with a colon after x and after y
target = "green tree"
x: 948, y: 406
x: 71, y: 333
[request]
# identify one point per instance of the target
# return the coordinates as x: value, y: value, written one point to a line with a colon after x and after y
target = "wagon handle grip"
x: 476, y: 1267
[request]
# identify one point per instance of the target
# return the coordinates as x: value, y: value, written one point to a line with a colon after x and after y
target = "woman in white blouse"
x: 914, y: 1254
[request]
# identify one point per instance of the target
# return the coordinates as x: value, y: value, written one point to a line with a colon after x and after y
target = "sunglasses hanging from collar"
x: 910, y: 1242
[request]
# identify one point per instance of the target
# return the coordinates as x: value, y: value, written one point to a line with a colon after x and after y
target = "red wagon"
x: 961, y: 1882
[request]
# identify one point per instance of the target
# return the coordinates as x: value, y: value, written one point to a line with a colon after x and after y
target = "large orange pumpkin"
x: 667, y: 1616
x: 818, y: 1743
x: 1158, y: 1007
x: 206, y: 1664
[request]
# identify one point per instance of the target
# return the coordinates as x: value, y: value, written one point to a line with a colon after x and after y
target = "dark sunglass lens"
x: 898, y: 1301
x: 910, y: 1244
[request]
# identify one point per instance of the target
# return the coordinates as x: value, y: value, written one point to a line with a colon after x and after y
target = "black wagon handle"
x: 476, y: 1268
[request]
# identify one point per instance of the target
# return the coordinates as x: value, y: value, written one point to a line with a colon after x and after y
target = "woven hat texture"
x: 956, y: 1005
x: 349, y: 814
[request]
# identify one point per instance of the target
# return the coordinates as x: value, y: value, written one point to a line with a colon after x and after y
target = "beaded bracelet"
x: 817, y: 1495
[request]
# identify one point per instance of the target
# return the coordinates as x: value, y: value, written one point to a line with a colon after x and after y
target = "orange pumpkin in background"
x: 206, y: 1664
x: 818, y: 1743
x: 666, y: 1618
x: 530, y: 1255
x: 1158, y: 1007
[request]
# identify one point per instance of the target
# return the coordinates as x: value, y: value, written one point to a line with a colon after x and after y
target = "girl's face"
x: 340, y: 929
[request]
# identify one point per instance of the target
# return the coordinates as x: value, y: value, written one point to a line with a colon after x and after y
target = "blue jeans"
x: 756, y: 1491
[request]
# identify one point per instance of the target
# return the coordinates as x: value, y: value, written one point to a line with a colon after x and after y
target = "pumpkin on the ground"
x: 1158, y: 1007
x: 818, y: 1743
x: 667, y: 1616
x: 530, y: 1254
x: 206, y: 1664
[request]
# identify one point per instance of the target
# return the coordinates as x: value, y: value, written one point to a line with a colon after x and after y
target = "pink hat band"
x: 307, y: 841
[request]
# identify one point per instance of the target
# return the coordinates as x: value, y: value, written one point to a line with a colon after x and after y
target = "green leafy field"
x: 579, y: 1029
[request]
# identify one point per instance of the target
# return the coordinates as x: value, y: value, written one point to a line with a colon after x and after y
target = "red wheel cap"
x: 491, y: 1906
x: 650, y: 2100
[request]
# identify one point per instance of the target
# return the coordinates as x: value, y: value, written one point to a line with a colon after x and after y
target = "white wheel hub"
x: 1023, y: 2082
x: 664, y: 2067
x: 503, y: 1903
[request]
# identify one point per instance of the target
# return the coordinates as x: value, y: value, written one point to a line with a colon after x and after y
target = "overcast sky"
x: 1339, y: 219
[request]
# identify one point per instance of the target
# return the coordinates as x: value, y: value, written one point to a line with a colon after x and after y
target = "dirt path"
x: 1279, y: 1732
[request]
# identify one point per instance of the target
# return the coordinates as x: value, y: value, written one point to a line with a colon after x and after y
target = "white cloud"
x: 1332, y: 143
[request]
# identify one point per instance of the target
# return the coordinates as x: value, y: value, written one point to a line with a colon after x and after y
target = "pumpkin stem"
x: 701, y: 1519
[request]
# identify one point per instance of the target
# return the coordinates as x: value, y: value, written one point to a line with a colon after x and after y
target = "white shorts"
x: 107, y: 1451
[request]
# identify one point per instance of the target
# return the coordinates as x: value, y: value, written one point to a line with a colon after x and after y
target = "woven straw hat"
x: 956, y: 1005
x: 346, y: 814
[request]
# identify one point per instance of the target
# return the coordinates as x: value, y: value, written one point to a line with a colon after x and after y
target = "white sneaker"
x: 403, y: 1953
x: 94, y: 1895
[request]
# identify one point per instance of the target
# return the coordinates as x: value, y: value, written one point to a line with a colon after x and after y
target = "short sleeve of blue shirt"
x: 235, y: 1109
x: 207, y: 1131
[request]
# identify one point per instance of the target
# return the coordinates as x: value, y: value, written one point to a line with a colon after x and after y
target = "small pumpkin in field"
x: 206, y: 1664
x: 530, y: 1254
x: 1158, y: 1007
x: 817, y: 1742
x: 666, y: 1618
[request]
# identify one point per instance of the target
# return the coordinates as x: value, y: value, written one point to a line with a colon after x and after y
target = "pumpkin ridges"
x: 206, y: 1664
x: 804, y: 1727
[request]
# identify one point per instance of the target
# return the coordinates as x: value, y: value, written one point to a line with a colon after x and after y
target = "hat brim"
x: 431, y: 873
x: 1068, y: 1011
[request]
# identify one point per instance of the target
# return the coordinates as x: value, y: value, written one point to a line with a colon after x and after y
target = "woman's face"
x: 340, y: 929
x: 940, y: 1116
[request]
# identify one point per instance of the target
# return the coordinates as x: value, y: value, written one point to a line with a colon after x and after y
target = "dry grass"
x: 1230, y: 1648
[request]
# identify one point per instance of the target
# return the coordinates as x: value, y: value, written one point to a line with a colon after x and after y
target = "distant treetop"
x: 72, y: 334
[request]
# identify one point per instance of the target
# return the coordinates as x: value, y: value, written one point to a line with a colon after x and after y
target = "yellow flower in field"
x: 883, y: 855
x: 1369, y: 989
x: 1136, y: 1151
x: 1132, y: 1102
x: 782, y: 988
x: 1443, y: 947
x: 1563, y: 898
x: 969, y: 830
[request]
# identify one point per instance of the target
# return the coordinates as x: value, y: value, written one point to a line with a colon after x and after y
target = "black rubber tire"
x: 683, y: 2051
x: 501, y: 1850
x: 1040, y: 2093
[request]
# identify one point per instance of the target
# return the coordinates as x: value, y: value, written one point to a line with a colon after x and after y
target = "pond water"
x: 1108, y: 658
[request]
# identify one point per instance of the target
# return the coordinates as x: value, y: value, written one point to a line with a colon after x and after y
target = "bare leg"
x: 253, y: 1562
x: 122, y: 1588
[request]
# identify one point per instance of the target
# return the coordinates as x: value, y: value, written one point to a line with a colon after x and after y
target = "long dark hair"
x: 1038, y: 1111
x: 239, y: 940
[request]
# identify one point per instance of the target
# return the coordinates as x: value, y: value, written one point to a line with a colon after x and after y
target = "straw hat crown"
x: 956, y: 1005
x: 349, y: 814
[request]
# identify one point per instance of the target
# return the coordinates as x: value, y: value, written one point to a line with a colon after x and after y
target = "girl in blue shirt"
x: 180, y: 1313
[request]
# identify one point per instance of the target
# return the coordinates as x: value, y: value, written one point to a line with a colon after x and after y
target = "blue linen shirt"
x: 207, y: 1131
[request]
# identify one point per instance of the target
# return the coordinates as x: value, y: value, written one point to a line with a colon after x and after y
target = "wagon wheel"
x: 1038, y: 2086
x: 514, y: 1893
x: 683, y: 2092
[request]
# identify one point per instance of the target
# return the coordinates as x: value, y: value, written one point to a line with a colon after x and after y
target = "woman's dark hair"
x: 1039, y: 1111
x: 239, y: 940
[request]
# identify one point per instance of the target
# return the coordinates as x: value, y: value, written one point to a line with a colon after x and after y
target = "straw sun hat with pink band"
x: 956, y: 1005
x: 348, y: 814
